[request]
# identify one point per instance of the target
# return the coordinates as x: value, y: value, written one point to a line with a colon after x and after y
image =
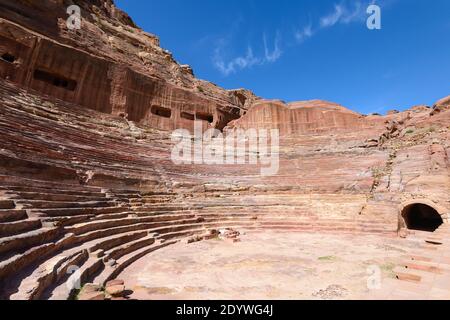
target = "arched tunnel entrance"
x: 419, y: 216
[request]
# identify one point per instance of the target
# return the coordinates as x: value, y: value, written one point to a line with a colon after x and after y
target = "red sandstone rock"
x: 86, y: 179
x: 116, y: 290
x: 115, y: 282
x: 92, y: 296
x: 91, y: 292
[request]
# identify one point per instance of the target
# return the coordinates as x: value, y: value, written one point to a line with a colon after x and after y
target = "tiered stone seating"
x: 79, y: 192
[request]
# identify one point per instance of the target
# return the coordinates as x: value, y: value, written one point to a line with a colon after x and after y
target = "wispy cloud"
x: 276, y: 53
x: 332, y: 18
x: 247, y: 60
x: 343, y: 13
x: 235, y: 64
x: 303, y: 34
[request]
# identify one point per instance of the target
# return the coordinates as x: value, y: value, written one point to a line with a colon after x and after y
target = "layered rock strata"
x: 86, y: 176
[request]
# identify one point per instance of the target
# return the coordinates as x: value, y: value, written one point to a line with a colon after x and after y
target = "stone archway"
x: 421, y: 216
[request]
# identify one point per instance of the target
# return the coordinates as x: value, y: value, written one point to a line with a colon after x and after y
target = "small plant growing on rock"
x: 327, y: 258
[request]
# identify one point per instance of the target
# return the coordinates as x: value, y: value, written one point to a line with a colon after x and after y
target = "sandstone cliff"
x: 86, y: 176
x: 108, y: 65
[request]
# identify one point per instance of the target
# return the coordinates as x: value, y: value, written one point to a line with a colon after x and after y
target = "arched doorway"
x: 419, y: 216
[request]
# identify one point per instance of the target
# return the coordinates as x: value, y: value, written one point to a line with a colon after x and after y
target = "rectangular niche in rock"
x: 55, y: 80
x: 188, y: 116
x: 161, y: 111
x: 8, y: 57
x: 204, y: 116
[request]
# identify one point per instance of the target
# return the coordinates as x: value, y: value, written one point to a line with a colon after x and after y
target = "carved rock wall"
x: 108, y: 66
x: 86, y: 176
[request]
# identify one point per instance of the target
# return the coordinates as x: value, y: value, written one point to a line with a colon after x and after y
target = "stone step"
x: 104, y: 224
x: 413, y: 275
x: 8, y: 215
x: 424, y: 266
x: 111, y: 242
x: 23, y: 182
x: 111, y: 216
x: 349, y: 231
x: 130, y: 196
x: 39, y: 204
x: 405, y: 275
x: 204, y: 226
x: 47, y: 274
x: 112, y: 272
x: 324, y: 227
x: 103, y: 233
x: 323, y: 222
x: 28, y: 239
x: 11, y: 266
x: 67, y: 287
x: 41, y: 196
x: 11, y: 228
x: 63, y: 221
x: 199, y: 230
x: 129, y: 247
x: 30, y: 191
x: 127, y: 254
x: 80, y: 211
x: 123, y: 192
x: 160, y: 215
x: 73, y: 220
x: 182, y: 234
x: 227, y: 218
x: 438, y: 259
x: 7, y: 204
x: 159, y: 208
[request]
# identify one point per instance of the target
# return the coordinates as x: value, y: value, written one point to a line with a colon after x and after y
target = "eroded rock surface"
x: 86, y: 177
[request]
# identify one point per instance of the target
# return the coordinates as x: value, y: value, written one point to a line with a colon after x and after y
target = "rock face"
x: 304, y: 117
x: 109, y: 65
x: 87, y: 182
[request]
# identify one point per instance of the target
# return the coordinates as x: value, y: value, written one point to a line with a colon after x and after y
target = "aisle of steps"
x: 425, y: 271
x: 99, y: 232
x: 282, y: 218
x: 95, y: 231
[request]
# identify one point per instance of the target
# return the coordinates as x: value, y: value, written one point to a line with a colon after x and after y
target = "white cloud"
x: 230, y: 66
x: 303, y: 34
x: 276, y: 53
x: 343, y: 13
x: 235, y: 64
x: 332, y: 18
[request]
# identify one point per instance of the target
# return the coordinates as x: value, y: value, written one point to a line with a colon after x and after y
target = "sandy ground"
x: 269, y: 265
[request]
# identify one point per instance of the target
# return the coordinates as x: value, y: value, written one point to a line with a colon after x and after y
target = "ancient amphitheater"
x: 87, y: 180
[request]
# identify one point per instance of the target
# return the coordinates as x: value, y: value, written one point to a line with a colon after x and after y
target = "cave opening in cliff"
x: 204, y: 116
x: 8, y: 57
x: 421, y: 217
x: 161, y: 112
x: 55, y: 80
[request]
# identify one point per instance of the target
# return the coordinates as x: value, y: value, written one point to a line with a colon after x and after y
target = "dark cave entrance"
x: 8, y: 57
x: 421, y: 217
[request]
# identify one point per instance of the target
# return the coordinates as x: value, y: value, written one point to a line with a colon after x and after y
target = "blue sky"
x: 310, y: 49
